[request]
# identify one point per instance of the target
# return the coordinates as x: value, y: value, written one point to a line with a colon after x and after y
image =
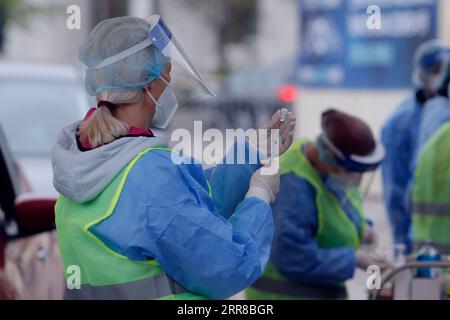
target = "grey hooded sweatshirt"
x: 81, y: 176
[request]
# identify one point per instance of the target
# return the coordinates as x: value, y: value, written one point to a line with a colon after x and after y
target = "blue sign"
x: 362, y: 43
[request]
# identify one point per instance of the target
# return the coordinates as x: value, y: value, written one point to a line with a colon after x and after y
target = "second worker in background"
x: 319, y: 221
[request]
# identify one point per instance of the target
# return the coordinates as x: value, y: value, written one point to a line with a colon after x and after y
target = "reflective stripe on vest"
x: 431, y: 193
x: 105, y: 273
x: 318, y: 291
x: 157, y: 287
x: 436, y: 209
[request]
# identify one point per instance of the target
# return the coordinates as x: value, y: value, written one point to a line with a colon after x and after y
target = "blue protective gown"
x: 295, y: 252
x: 213, y: 246
x: 399, y: 137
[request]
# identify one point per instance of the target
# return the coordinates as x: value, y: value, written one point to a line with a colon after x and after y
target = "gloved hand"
x: 364, y: 259
x: 284, y: 121
x: 370, y: 237
x: 265, y: 187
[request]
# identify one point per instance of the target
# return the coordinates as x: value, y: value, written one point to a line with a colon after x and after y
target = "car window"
x: 32, y: 113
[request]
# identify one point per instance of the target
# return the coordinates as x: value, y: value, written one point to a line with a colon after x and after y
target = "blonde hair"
x: 102, y: 127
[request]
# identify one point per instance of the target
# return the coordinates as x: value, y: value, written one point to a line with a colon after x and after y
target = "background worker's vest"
x: 431, y: 193
x: 104, y: 273
x: 335, y: 229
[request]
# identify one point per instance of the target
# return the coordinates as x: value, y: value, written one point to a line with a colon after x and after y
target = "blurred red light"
x: 287, y: 94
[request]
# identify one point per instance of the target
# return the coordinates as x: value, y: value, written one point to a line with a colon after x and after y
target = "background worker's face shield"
x: 357, y: 172
x: 186, y: 81
x: 431, y: 67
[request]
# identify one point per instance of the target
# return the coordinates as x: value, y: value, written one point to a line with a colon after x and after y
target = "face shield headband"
x: 162, y: 38
x: 355, y: 163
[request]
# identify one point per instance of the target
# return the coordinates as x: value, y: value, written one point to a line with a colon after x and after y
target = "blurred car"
x: 30, y: 265
x: 36, y: 101
x: 248, y: 98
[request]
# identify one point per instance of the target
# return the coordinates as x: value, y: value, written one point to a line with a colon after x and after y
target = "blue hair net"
x: 110, y: 37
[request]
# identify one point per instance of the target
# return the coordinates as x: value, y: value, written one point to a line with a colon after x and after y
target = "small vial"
x: 283, y: 115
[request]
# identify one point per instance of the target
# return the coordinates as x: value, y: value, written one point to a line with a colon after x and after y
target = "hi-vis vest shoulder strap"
x: 103, y: 272
x: 431, y: 193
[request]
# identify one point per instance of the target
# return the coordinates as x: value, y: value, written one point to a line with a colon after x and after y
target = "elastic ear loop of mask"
x: 151, y: 96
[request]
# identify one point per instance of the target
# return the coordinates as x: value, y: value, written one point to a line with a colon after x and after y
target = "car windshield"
x: 32, y: 113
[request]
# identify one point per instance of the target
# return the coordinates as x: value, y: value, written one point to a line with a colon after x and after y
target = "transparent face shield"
x: 366, y: 183
x: 351, y: 187
x: 359, y: 181
x: 186, y: 82
x: 184, y: 85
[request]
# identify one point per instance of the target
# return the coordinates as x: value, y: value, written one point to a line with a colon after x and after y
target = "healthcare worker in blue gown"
x: 319, y: 220
x: 400, y: 135
x: 137, y: 223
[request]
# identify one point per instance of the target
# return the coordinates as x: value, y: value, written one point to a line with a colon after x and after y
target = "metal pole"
x: 409, y: 265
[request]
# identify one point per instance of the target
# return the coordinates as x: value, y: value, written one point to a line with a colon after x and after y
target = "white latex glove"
x: 285, y: 122
x: 265, y: 187
x: 364, y: 259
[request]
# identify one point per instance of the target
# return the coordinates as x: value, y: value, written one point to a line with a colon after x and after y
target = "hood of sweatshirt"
x: 82, y: 175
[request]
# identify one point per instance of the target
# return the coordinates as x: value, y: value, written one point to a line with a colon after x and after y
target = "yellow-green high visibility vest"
x: 104, y: 273
x: 335, y: 229
x: 431, y: 193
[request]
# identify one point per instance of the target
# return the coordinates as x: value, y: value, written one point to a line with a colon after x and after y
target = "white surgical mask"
x: 165, y: 107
